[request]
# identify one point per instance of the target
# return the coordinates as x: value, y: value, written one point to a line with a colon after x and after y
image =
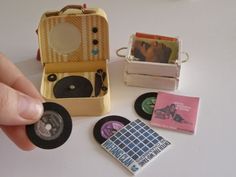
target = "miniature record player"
x: 74, y: 49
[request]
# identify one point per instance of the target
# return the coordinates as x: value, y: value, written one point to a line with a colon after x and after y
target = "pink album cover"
x: 175, y: 112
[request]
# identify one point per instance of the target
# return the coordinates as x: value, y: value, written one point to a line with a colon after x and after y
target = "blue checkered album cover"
x: 135, y: 145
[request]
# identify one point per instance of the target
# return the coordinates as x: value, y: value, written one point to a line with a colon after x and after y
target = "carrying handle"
x: 186, y: 58
x: 77, y: 7
x: 120, y: 49
x: 82, y: 8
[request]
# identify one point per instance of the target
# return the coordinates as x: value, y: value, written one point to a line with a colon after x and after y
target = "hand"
x: 20, y: 103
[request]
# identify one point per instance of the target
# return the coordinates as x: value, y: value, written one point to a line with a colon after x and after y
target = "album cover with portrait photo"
x: 159, y: 50
x: 175, y: 112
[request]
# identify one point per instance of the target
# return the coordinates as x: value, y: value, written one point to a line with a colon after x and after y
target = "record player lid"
x: 73, y: 34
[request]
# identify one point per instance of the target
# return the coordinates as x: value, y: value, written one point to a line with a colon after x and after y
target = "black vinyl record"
x: 73, y: 86
x: 53, y: 129
x: 108, y: 126
x: 144, y: 105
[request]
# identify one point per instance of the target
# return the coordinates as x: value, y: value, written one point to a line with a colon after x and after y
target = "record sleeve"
x: 175, y: 112
x: 135, y: 145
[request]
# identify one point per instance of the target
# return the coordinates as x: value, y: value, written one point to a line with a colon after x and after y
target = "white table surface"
x: 208, y: 31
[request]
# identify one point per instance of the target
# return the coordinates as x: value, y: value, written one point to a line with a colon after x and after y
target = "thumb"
x: 17, y: 108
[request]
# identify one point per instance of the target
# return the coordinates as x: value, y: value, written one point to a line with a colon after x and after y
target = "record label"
x: 147, y: 105
x: 108, y: 126
x: 50, y: 126
x: 144, y: 105
x: 53, y: 128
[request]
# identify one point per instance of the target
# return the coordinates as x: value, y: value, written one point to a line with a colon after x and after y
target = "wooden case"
x: 75, y: 42
x: 164, y: 76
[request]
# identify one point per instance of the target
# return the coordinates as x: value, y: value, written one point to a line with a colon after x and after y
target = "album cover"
x: 155, y: 36
x: 135, y: 145
x: 175, y: 112
x: 154, y: 50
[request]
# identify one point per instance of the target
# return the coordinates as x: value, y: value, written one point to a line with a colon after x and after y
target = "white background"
x: 208, y: 31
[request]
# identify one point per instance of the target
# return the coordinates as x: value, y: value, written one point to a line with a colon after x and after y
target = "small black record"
x: 144, y: 105
x: 52, y: 77
x: 53, y: 129
x: 73, y: 86
x: 108, y: 126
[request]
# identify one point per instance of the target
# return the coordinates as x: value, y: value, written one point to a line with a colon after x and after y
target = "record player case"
x: 75, y: 42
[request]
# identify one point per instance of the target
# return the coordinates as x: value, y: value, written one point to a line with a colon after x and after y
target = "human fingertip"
x: 28, y: 147
x: 18, y: 136
x: 29, y: 108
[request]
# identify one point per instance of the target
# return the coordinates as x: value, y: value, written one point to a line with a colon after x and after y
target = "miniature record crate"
x: 75, y: 42
x: 163, y: 76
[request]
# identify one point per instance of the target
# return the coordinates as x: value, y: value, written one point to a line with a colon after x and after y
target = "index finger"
x: 13, y: 77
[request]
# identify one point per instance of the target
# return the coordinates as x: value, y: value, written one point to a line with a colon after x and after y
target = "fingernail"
x: 29, y: 108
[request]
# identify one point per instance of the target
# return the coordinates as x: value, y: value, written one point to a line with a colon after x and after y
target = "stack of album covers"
x: 154, y: 48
